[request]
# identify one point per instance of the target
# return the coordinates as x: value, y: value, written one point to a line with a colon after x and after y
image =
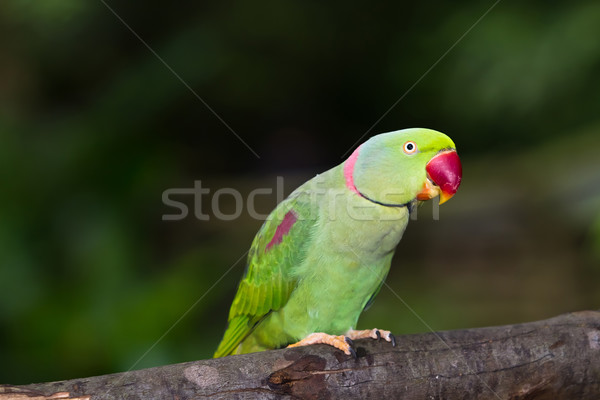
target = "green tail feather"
x: 237, y: 329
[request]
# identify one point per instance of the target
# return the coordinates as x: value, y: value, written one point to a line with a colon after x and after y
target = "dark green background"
x: 94, y: 127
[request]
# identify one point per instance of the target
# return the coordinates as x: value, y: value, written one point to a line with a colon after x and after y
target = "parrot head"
x: 399, y: 167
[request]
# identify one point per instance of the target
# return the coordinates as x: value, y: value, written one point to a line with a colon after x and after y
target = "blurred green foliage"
x: 94, y: 127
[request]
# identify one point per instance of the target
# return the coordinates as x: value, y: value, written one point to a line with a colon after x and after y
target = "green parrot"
x: 324, y: 252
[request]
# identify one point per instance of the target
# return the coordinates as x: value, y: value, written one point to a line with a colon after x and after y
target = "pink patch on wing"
x: 349, y: 171
x: 282, y: 229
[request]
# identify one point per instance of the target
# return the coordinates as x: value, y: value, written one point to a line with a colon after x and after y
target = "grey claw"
x: 353, y: 353
x: 351, y: 344
x: 393, y: 339
x: 378, y: 335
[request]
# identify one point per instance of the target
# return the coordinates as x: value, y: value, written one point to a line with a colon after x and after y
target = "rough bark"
x: 558, y: 358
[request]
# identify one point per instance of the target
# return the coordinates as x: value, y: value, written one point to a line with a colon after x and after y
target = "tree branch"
x: 558, y: 358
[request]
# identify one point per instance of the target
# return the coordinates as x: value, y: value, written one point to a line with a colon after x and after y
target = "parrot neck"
x: 349, y: 177
x: 349, y: 171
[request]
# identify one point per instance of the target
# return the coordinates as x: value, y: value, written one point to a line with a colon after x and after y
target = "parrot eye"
x: 410, y: 147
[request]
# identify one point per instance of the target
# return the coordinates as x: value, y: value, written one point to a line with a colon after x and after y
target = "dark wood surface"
x: 558, y: 358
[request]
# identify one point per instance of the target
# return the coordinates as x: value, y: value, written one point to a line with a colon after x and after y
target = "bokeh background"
x: 94, y: 127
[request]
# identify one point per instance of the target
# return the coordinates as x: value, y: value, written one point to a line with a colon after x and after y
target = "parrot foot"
x: 373, y: 334
x: 340, y: 342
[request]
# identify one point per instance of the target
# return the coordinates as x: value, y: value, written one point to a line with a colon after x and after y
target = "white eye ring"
x: 410, y: 147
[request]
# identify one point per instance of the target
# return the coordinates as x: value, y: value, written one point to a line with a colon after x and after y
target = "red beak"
x: 445, y: 171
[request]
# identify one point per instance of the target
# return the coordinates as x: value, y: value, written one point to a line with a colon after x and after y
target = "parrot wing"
x: 267, y: 283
